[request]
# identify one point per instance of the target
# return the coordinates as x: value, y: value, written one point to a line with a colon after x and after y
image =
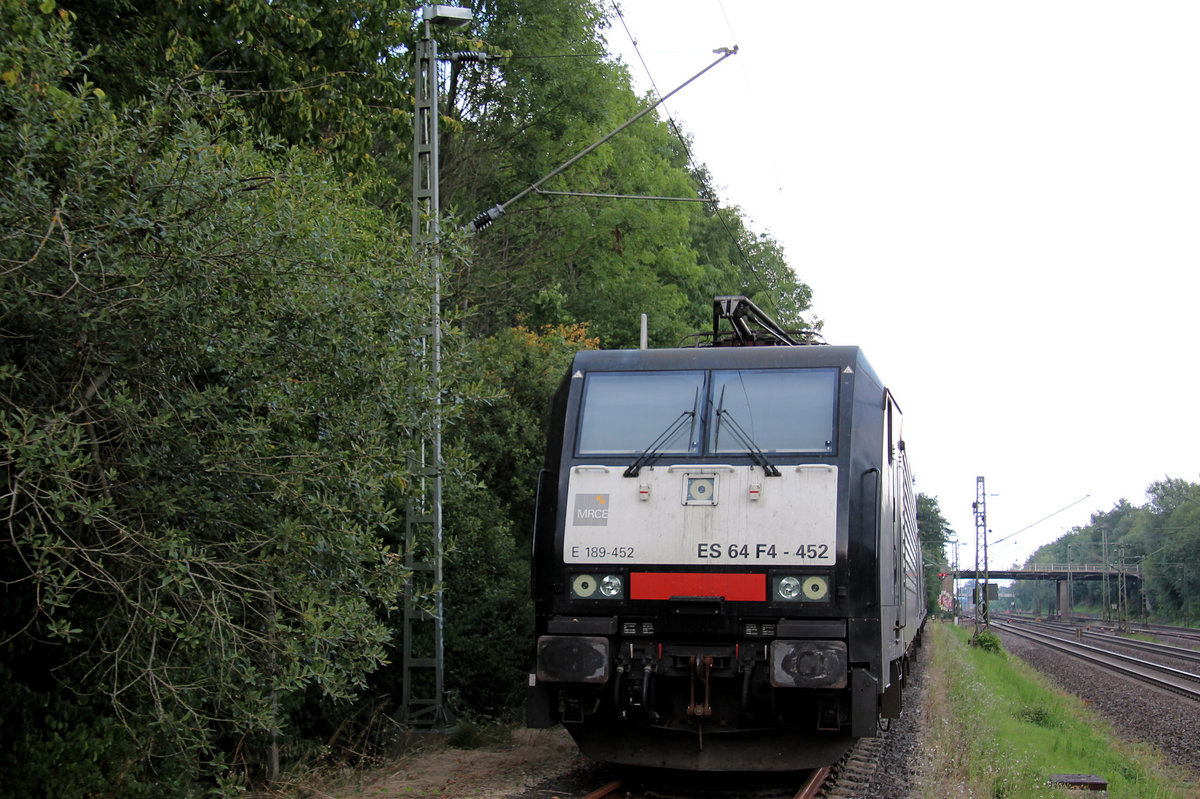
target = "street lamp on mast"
x: 423, y: 701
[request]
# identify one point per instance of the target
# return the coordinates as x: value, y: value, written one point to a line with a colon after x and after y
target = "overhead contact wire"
x: 691, y: 159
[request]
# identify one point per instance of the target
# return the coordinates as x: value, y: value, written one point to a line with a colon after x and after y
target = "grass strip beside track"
x: 996, y: 728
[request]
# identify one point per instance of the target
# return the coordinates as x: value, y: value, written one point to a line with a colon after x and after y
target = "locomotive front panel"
x: 696, y: 559
x: 709, y: 515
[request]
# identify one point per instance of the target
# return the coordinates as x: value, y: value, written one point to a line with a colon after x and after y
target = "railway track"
x: 1169, y: 678
x: 1150, y: 647
x: 1163, y: 629
x: 1105, y: 636
x: 873, y: 768
x: 1166, y: 630
x: 849, y: 778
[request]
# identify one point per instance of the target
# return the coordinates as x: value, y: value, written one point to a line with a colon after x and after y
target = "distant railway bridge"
x: 1062, y: 574
x: 1056, y: 572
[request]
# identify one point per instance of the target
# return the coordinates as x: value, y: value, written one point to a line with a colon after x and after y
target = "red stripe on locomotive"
x: 666, y: 585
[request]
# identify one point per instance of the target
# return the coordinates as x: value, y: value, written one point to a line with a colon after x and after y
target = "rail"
x: 1181, y: 682
x: 1162, y: 650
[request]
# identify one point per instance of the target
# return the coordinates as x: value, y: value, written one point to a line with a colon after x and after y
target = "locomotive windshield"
x: 624, y: 412
x: 780, y: 410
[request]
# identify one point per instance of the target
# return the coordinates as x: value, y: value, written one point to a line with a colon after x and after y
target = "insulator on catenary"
x: 486, y: 218
x: 467, y: 57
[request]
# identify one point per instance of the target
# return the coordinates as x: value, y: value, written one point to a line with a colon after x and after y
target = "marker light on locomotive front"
x: 726, y: 566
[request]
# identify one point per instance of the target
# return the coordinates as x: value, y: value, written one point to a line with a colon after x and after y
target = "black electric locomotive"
x: 727, y: 574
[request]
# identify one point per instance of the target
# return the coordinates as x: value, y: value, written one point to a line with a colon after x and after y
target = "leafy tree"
x: 1170, y: 494
x: 562, y: 260
x: 1111, y: 527
x: 209, y: 381
x: 331, y: 75
x: 934, y: 532
x: 488, y: 643
x: 489, y: 522
x: 567, y: 259
x: 207, y: 386
x: 740, y: 261
x: 506, y: 430
x: 1161, y: 538
x: 1174, y: 566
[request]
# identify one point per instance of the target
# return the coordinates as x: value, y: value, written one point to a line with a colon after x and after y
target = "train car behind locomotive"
x: 727, y: 574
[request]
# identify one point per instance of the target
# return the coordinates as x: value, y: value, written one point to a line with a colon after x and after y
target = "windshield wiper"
x: 651, y: 452
x: 752, y: 449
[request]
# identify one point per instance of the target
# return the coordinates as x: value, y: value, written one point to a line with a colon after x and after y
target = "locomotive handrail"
x: 876, y: 523
x: 827, y: 467
x: 691, y: 467
x: 591, y: 467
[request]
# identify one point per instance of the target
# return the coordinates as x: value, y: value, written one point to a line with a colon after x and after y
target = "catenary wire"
x: 691, y: 159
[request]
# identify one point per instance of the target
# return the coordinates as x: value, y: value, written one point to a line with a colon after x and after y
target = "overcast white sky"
x: 1000, y: 202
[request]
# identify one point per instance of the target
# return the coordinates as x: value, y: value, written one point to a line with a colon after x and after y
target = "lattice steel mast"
x: 423, y: 698
x: 981, y: 597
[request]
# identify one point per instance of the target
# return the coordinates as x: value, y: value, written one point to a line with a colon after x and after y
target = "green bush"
x: 207, y: 393
x: 988, y: 641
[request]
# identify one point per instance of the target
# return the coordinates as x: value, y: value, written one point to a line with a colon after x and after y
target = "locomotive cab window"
x: 772, y: 410
x: 779, y: 410
x: 626, y: 412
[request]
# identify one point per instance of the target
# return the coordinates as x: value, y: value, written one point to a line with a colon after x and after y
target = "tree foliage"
x: 934, y: 532
x: 1161, y: 539
x: 328, y: 75
x: 490, y: 521
x: 211, y: 337
x: 556, y: 259
x: 207, y: 391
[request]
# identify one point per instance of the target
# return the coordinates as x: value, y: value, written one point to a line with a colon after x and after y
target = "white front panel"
x: 702, y: 515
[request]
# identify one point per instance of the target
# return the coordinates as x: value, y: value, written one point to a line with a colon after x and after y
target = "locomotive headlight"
x: 583, y: 585
x: 611, y: 585
x: 788, y: 588
x: 801, y: 588
x: 592, y: 586
x: 699, y: 489
x: 815, y: 588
